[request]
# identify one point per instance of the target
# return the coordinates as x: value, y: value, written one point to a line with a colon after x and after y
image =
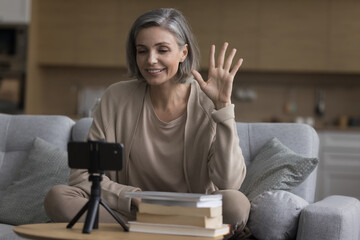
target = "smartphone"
x: 95, y: 155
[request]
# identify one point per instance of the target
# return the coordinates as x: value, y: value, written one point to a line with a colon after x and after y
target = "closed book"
x: 178, y: 199
x: 178, y: 229
x: 174, y: 196
x: 179, y: 210
x: 194, y: 204
x: 206, y: 222
x: 154, y: 236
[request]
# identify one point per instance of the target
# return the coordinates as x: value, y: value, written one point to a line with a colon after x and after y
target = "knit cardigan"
x: 213, y: 159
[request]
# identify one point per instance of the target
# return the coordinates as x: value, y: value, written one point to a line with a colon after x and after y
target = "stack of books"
x: 179, y: 214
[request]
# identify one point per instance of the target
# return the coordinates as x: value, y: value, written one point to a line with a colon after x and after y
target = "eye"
x: 140, y: 51
x: 163, y: 50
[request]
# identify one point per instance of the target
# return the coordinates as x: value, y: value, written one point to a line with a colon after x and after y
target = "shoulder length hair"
x: 173, y: 21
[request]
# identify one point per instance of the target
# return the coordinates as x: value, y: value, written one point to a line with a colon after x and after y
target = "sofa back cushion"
x: 23, y: 200
x: 300, y: 138
x: 81, y: 129
x: 17, y: 133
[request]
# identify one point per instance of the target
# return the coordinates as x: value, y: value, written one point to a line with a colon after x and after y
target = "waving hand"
x: 218, y: 87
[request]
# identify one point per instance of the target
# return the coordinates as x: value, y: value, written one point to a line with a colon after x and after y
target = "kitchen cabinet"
x: 205, y: 24
x: 279, y: 35
x: 293, y: 35
x: 74, y: 39
x: 85, y: 33
x: 344, y: 36
x: 240, y: 26
x: 271, y: 36
x: 81, y: 33
x: 339, y: 167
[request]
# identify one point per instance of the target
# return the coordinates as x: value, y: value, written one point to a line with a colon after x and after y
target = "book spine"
x: 200, y: 204
x: 178, y: 210
x: 179, y: 230
x: 206, y: 222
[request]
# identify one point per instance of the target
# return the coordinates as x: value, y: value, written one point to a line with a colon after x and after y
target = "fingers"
x: 198, y: 78
x: 221, y: 56
x: 236, y: 67
x: 212, y: 56
x: 221, y: 63
x: 229, y: 60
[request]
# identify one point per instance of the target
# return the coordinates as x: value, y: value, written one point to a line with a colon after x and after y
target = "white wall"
x: 15, y: 11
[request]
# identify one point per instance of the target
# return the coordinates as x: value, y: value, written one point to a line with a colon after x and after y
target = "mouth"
x: 155, y: 71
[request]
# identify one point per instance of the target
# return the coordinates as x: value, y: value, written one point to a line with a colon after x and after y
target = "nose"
x: 152, y: 58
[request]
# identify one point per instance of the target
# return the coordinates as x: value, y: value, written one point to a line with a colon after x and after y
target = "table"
x: 58, y: 231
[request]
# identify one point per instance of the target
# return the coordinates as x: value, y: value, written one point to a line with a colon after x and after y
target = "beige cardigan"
x: 212, y: 157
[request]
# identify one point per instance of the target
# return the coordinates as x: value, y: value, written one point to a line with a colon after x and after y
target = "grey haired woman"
x: 178, y: 130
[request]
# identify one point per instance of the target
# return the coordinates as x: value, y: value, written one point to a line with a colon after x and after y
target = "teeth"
x: 154, y: 71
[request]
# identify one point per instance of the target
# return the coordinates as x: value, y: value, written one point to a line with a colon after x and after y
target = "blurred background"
x: 301, y: 63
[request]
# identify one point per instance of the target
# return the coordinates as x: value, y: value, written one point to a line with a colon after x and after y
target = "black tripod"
x: 92, y: 217
x: 84, y: 155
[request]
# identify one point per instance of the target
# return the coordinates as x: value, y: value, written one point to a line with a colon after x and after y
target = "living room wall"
x: 290, y: 48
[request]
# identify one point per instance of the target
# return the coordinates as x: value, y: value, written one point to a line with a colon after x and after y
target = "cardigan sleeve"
x: 227, y: 167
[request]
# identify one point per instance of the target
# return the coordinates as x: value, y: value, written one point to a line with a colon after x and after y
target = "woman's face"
x: 158, y: 55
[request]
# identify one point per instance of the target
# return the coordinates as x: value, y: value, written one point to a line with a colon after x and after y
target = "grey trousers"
x: 63, y: 202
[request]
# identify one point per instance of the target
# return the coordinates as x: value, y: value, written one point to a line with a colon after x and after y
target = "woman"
x: 179, y: 133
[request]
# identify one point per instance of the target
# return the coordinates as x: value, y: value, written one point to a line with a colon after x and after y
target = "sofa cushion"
x: 81, y: 129
x: 22, y: 202
x: 276, y: 167
x: 278, y: 222
x: 17, y: 133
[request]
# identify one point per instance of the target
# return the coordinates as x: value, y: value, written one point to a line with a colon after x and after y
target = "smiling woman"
x: 176, y: 24
x: 158, y: 55
x: 178, y: 130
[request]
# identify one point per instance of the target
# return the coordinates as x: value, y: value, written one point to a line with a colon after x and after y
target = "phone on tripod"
x: 96, y: 156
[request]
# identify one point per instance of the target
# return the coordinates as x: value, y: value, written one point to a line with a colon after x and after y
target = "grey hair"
x: 173, y: 21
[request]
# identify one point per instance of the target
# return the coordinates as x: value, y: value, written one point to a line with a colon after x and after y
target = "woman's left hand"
x: 218, y: 87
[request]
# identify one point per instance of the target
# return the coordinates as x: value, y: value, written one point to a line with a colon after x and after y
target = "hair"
x: 173, y: 21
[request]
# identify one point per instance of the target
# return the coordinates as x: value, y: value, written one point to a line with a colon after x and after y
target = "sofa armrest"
x: 333, y: 218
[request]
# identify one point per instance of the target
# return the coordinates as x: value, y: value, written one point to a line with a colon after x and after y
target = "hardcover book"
x: 178, y: 199
x: 179, y: 229
x: 179, y: 210
x: 206, y: 222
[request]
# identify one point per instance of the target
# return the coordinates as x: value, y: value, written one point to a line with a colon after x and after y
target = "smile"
x: 155, y: 70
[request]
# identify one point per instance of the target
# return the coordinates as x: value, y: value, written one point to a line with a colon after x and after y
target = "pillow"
x: 275, y: 215
x: 23, y: 200
x: 276, y: 167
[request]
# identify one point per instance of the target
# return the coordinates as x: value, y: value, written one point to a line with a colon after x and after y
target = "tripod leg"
x: 78, y: 215
x: 91, y: 215
x: 96, y: 223
x: 126, y: 229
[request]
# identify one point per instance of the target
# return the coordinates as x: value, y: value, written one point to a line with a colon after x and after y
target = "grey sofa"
x: 334, y: 218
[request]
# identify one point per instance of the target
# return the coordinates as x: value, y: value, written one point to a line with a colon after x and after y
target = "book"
x: 200, y: 221
x: 178, y: 229
x: 202, y: 204
x: 178, y: 199
x: 179, y: 210
x: 155, y: 236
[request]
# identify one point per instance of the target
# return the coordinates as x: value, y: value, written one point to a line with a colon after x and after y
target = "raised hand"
x: 218, y: 87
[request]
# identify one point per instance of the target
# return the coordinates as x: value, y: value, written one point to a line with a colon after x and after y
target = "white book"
x: 178, y: 229
x: 178, y: 199
x: 199, y: 204
x: 174, y: 196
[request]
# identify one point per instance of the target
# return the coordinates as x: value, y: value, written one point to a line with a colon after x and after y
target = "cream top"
x: 156, y: 163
